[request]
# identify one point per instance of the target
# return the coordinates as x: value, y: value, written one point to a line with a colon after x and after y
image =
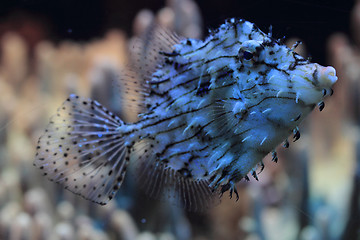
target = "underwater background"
x: 51, y: 49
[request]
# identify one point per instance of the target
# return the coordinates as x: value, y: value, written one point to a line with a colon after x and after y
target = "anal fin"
x: 161, y: 181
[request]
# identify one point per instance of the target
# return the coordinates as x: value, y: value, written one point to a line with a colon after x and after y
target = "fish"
x: 210, y: 111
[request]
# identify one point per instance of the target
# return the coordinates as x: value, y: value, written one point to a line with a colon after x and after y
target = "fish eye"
x: 247, y: 55
x: 250, y: 53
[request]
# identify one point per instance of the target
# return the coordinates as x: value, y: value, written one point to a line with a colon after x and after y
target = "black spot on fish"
x: 203, y: 89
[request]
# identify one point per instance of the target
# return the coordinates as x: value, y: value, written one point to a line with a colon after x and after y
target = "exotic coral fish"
x: 213, y: 110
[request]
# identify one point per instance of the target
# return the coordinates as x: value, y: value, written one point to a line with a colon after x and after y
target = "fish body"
x: 213, y: 110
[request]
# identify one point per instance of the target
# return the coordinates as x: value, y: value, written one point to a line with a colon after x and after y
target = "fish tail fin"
x: 83, y: 149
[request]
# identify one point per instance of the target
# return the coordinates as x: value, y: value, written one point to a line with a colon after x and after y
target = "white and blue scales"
x: 213, y: 110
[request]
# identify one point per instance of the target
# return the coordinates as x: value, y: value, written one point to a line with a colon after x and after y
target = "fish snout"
x: 325, y: 76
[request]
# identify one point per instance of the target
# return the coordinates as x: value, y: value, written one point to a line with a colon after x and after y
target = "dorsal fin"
x: 146, y: 50
x: 145, y: 56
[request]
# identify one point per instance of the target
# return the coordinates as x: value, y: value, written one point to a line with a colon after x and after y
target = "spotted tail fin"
x: 83, y: 150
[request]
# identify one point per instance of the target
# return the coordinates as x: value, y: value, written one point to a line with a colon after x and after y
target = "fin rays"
x: 163, y: 182
x: 145, y: 58
x: 83, y: 150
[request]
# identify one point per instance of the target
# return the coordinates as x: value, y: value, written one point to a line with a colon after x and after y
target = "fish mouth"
x: 313, y: 82
x: 325, y: 76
